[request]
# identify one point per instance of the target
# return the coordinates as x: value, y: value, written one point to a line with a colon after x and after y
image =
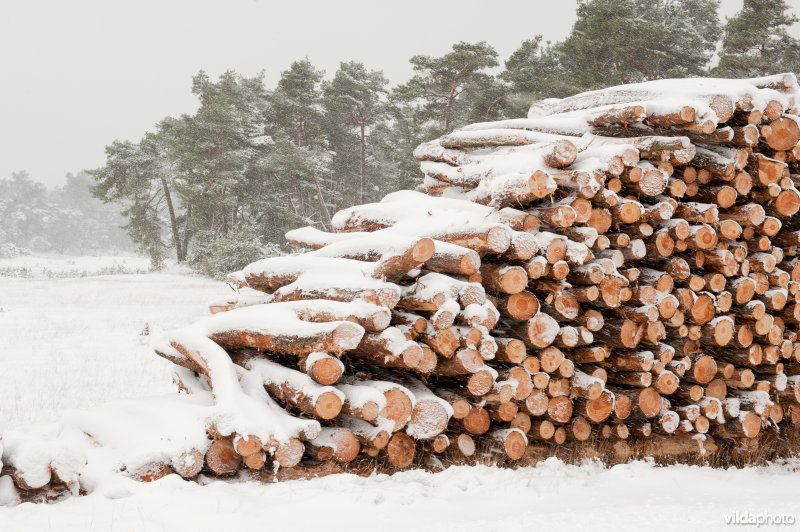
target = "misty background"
x: 79, y: 74
x: 208, y: 128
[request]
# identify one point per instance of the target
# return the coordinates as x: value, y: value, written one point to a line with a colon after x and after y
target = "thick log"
x: 598, y: 409
x: 504, y: 278
x: 335, y: 339
x: 539, y: 332
x: 781, y: 134
x: 512, y: 442
x: 620, y: 333
x: 222, y: 458
x: 392, y: 342
x: 510, y: 350
x: 477, y: 421
x: 188, y: 464
x: 646, y: 402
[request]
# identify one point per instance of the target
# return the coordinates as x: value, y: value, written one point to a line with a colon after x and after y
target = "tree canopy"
x: 257, y: 158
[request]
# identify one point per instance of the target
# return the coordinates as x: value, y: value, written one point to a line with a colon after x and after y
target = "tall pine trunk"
x: 363, y: 161
x: 186, y: 235
x: 176, y: 238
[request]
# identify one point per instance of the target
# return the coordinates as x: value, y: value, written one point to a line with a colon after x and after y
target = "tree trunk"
x: 362, y: 162
x: 176, y: 239
x: 186, y: 234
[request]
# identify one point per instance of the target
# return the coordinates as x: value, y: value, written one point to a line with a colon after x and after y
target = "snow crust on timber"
x: 282, y: 318
x: 756, y: 89
x: 316, y: 272
x: 278, y: 374
x: 417, y: 214
x: 358, y: 395
x: 91, y: 445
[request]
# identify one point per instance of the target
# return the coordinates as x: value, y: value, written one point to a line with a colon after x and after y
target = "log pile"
x: 620, y: 266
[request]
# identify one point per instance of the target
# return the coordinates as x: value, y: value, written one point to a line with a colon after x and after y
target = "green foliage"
x: 137, y: 176
x: 443, y: 86
x: 297, y: 189
x: 615, y: 42
x: 222, y: 185
x: 295, y: 104
x: 354, y: 102
x: 534, y: 72
x: 217, y: 255
x: 757, y: 42
x: 627, y: 41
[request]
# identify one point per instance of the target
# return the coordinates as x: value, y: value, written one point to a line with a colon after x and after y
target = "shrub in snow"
x: 9, y: 251
x: 217, y: 255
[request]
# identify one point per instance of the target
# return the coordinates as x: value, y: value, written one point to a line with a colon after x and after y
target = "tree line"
x: 218, y: 188
x: 65, y: 219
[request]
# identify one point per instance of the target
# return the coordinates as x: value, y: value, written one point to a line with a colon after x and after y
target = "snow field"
x: 76, y: 342
x: 551, y: 496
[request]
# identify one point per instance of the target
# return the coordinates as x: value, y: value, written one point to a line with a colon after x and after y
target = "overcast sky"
x: 77, y: 74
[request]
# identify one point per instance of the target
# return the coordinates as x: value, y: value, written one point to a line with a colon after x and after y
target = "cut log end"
x: 326, y: 371
x: 401, y: 450
x: 222, y: 458
x: 328, y: 405
x: 188, y: 464
x: 515, y: 444
x: 398, y: 408
x: 559, y: 409
x: 649, y: 402
x: 289, y: 453
x: 477, y: 421
x: 480, y: 383
x: 704, y: 369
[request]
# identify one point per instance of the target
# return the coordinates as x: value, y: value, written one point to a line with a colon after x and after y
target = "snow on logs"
x: 622, y: 264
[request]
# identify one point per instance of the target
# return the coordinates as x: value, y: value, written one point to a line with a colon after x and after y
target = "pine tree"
x: 296, y: 103
x: 443, y: 84
x: 354, y: 102
x: 299, y: 161
x: 212, y: 154
x: 80, y: 223
x: 134, y: 175
x: 395, y: 138
x: 25, y: 212
x: 619, y: 41
x: 688, y: 32
x: 297, y: 189
x: 756, y: 41
x: 533, y: 72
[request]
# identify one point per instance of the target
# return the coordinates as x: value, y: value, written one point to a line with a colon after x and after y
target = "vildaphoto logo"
x: 758, y: 518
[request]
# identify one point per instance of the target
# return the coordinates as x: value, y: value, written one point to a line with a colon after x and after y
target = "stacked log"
x: 620, y: 266
x: 686, y: 196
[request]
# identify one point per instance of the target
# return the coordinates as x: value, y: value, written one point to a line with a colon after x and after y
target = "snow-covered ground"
x: 550, y: 497
x: 78, y: 341
x: 49, y: 266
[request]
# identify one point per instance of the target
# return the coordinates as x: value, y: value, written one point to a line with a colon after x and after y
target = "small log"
x: 503, y: 278
x: 513, y: 442
x: 337, y: 444
x: 322, y: 367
